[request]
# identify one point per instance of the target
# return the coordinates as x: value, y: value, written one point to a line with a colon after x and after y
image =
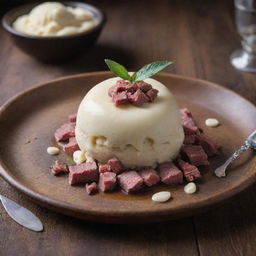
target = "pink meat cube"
x: 195, y: 154
x: 120, y: 86
x: 115, y: 165
x: 120, y: 98
x: 149, y: 176
x: 138, y: 98
x: 189, y: 139
x: 85, y: 172
x: 136, y: 93
x: 72, y: 118
x: 188, y: 123
x: 132, y: 88
x: 104, y: 168
x: 107, y: 181
x: 190, y: 171
x: 152, y: 94
x: 209, y: 144
x: 170, y: 174
x: 130, y: 181
x: 65, y: 132
x: 145, y: 87
x: 91, y: 188
x: 71, y: 146
x: 59, y: 167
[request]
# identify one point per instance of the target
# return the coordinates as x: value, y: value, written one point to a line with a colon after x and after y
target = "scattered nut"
x: 162, y: 196
x: 53, y: 151
x: 212, y: 122
x: 79, y: 157
x: 190, y: 188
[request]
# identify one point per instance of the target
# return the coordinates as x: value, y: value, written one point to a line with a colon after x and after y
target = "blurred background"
x: 197, y: 35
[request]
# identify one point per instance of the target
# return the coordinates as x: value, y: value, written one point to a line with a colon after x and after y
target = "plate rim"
x: 62, y: 205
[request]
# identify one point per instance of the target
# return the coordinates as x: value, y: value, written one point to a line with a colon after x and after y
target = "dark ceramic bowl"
x: 53, y: 48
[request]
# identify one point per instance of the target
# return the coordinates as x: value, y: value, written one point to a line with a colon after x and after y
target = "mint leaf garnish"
x: 145, y: 72
x: 133, y: 77
x: 151, y: 69
x: 118, y: 69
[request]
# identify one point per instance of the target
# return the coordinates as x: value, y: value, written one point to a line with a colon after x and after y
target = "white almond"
x: 79, y: 157
x: 212, y: 122
x: 162, y: 196
x: 190, y: 188
x: 53, y: 151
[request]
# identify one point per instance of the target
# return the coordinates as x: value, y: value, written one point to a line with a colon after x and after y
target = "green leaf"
x: 118, y: 69
x: 151, y: 69
x: 133, y: 77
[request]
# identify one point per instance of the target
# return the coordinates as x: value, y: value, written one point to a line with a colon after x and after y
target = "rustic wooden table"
x: 199, y: 37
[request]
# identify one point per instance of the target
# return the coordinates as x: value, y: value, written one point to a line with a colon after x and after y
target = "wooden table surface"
x: 199, y: 37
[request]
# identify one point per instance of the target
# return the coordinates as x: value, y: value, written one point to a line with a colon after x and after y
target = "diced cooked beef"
x: 132, y: 88
x: 72, y: 118
x: 188, y: 123
x: 190, y: 171
x: 195, y: 154
x: 123, y: 83
x: 107, y: 181
x: 71, y: 146
x: 130, y: 181
x: 120, y: 86
x: 136, y: 93
x: 59, y: 167
x: 189, y: 139
x: 85, y: 172
x: 209, y: 144
x: 65, y: 132
x: 120, y: 98
x: 91, y: 188
x: 104, y: 168
x: 145, y: 87
x: 149, y: 176
x: 152, y: 94
x: 138, y: 98
x: 170, y: 174
x: 115, y: 165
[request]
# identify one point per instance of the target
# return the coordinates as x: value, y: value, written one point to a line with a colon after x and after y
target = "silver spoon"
x: 250, y: 142
x: 21, y: 215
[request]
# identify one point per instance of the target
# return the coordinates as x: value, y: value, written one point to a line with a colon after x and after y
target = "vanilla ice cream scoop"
x: 137, y: 136
x: 55, y: 19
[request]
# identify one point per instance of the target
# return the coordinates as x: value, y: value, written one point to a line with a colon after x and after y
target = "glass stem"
x: 249, y: 48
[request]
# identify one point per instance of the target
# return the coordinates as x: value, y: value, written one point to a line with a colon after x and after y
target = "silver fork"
x: 250, y: 142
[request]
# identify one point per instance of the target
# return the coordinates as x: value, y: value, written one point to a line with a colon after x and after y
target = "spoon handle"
x: 249, y: 143
x: 221, y: 171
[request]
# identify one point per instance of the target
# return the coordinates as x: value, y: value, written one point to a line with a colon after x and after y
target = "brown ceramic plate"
x: 29, y: 120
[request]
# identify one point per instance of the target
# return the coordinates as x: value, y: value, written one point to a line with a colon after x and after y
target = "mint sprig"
x: 151, y: 69
x: 143, y: 73
x: 118, y: 69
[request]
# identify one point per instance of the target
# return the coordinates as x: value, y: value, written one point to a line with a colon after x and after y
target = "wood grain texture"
x: 230, y: 229
x: 199, y: 37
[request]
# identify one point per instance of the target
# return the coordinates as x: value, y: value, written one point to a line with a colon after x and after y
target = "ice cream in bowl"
x: 55, y: 19
x: 54, y: 31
